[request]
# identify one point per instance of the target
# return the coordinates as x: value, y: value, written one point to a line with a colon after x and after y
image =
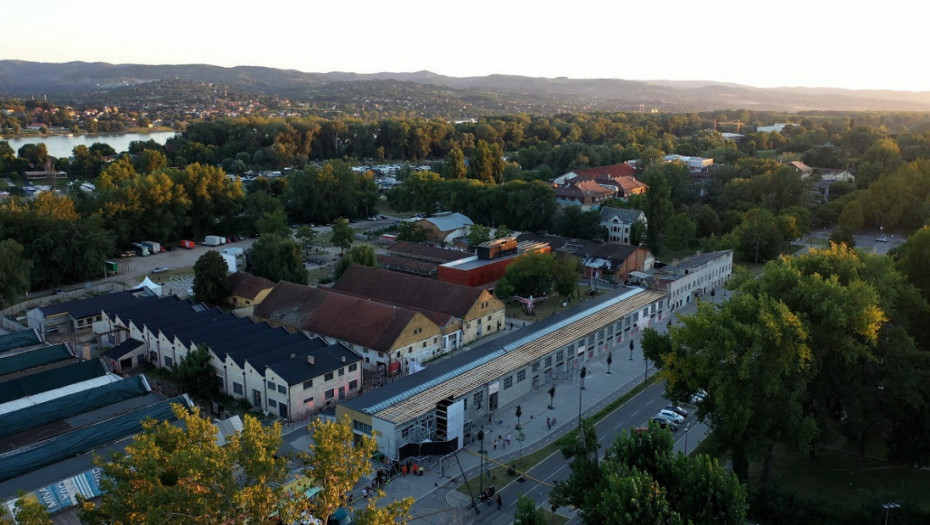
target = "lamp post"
x: 631, y: 348
x: 584, y: 372
x: 610, y: 359
x: 645, y: 370
x: 888, y: 508
x: 481, y: 451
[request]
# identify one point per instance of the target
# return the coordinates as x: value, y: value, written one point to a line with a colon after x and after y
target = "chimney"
x: 343, y: 359
x: 310, y: 359
x: 293, y: 356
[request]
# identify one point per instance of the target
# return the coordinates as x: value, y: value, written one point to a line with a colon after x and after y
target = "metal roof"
x: 34, y: 358
x: 418, y: 393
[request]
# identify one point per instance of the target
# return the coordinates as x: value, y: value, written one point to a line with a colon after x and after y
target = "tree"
x: 758, y: 235
x: 551, y: 393
x: 565, y: 275
x: 578, y: 224
x: 455, y: 165
x: 27, y: 511
x: 397, y: 511
x: 680, y: 232
x: 273, y: 222
x: 14, y: 271
x: 637, y: 233
x: 278, y: 259
x: 363, y: 255
x: 478, y: 234
x: 640, y: 480
x: 912, y: 259
x: 180, y: 474
x: 658, y: 207
x: 528, y: 513
x: 411, y: 231
x: 211, y: 285
x: 502, y: 232
x: 306, y: 235
x: 195, y: 375
x: 343, y: 234
x: 337, y: 459
x: 529, y: 275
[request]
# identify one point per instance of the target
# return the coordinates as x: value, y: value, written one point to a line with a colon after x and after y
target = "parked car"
x: 698, y: 396
x: 677, y: 409
x: 671, y: 414
x: 881, y: 238
x: 664, y: 422
x: 160, y: 269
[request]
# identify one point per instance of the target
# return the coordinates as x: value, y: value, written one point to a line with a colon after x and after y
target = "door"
x: 492, y: 401
x: 282, y: 410
x: 256, y: 398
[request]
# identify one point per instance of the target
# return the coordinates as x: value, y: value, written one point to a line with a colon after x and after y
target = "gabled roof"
x: 50, y: 379
x: 415, y: 292
x: 624, y: 215
x: 613, y: 171
x: 582, y: 189
x: 91, y: 306
x: 35, y: 358
x: 447, y: 222
x: 327, y: 359
x: 366, y: 323
x: 247, y: 285
x: 628, y: 184
x: 124, y: 348
x: 15, y: 340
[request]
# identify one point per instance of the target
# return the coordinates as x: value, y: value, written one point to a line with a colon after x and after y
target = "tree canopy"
x: 211, y: 284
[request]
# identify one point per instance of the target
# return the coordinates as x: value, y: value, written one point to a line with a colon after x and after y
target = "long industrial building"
x: 447, y: 401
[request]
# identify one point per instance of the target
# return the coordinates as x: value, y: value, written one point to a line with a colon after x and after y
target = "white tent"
x: 154, y: 288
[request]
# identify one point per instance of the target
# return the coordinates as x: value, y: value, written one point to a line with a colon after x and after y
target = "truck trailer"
x: 214, y: 240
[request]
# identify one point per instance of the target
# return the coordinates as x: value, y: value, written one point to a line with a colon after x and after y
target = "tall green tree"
x: 211, y: 285
x: 27, y: 511
x: 343, y: 234
x: 277, y: 258
x: 640, y: 480
x: 658, y: 208
x: 455, y: 165
x: 181, y: 474
x: 410, y: 231
x: 195, y: 375
x: 478, y: 234
x: 363, y: 254
x: 528, y: 513
x: 14, y: 272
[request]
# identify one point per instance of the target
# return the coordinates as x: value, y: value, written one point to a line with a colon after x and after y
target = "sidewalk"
x: 442, y: 475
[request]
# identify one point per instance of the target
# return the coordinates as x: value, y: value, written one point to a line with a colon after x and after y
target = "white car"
x: 669, y: 414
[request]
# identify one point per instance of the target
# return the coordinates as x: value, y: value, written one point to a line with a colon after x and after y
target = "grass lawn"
x: 840, y: 480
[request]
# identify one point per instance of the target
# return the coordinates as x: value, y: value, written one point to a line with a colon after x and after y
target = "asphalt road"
x: 540, y: 479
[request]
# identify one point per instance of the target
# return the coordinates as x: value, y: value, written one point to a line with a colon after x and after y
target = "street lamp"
x: 888, y: 508
x: 584, y: 372
x: 481, y: 451
x: 610, y: 359
x: 631, y: 349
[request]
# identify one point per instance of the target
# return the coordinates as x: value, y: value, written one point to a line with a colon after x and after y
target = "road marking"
x: 650, y: 402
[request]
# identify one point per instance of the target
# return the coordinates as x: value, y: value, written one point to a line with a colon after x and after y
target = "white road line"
x: 650, y: 402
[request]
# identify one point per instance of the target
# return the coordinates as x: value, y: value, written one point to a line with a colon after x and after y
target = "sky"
x: 851, y: 44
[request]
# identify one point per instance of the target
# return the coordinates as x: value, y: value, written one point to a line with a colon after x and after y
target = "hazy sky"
x: 818, y: 43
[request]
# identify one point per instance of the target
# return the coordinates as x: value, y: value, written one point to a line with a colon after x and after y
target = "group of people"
x: 504, y: 441
x: 412, y: 469
x: 550, y: 422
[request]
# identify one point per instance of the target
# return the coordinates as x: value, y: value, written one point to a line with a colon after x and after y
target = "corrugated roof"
x: 18, y: 340
x: 614, y: 170
x: 50, y: 379
x: 126, y: 347
x: 415, y: 394
x: 425, y: 252
x: 34, y: 358
x: 449, y: 222
x: 326, y: 359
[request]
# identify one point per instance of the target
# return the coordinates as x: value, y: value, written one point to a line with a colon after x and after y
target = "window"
x: 353, y: 367
x: 535, y: 365
x: 478, y: 397
x: 548, y: 361
x: 464, y: 403
x: 328, y: 376
x: 329, y: 394
x: 560, y: 356
x: 342, y: 371
x: 168, y: 362
x: 361, y: 427
x: 308, y: 384
x: 521, y: 375
x: 237, y: 388
x: 308, y: 400
x: 282, y: 389
x: 353, y: 384
x: 508, y: 382
x: 271, y: 386
x: 272, y: 403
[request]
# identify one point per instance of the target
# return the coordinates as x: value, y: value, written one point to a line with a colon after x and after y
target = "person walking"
x: 500, y: 502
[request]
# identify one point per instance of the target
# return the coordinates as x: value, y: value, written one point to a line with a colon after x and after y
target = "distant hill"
x: 485, y: 94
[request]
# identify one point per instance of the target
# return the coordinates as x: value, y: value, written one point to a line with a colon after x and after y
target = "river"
x: 63, y: 145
